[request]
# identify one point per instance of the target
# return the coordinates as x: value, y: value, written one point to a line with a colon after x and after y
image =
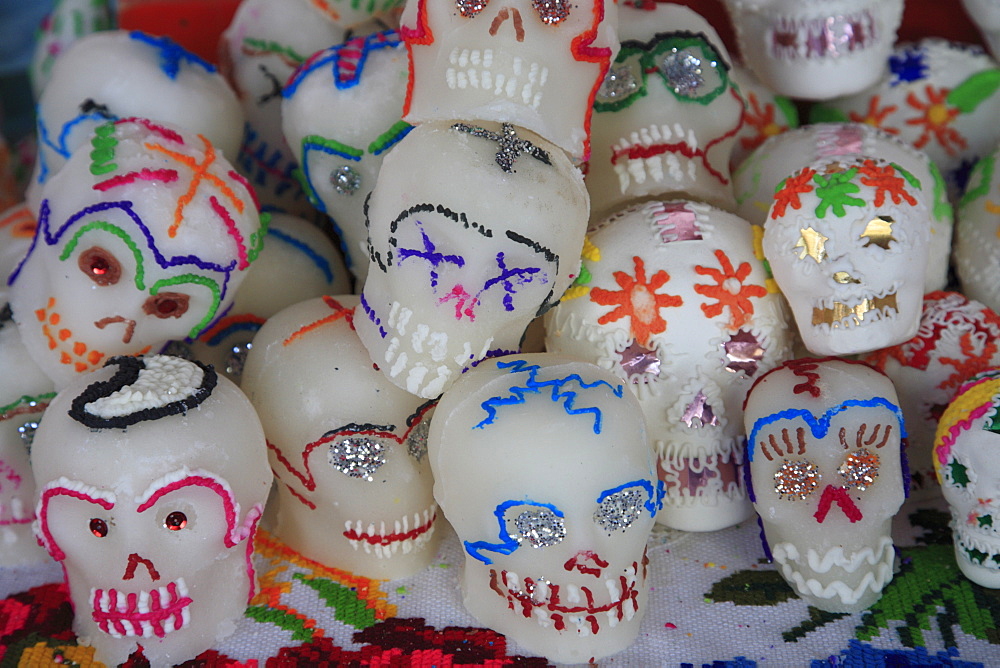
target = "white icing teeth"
x: 472, y: 69
x: 384, y: 543
x: 872, y: 565
x: 145, y: 613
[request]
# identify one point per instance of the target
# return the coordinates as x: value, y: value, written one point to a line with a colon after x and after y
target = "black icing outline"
x: 127, y: 374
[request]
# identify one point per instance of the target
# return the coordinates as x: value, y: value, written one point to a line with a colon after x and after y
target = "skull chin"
x: 837, y: 580
x: 978, y: 555
x: 145, y: 613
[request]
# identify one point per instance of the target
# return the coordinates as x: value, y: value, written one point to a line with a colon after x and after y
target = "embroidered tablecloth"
x: 715, y: 602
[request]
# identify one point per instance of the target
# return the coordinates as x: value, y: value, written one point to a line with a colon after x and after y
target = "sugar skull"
x: 765, y: 114
x: 966, y: 468
x: 977, y: 234
x: 151, y: 476
x: 957, y: 338
x: 815, y: 49
x: 142, y: 237
x: 542, y: 467
x: 827, y: 477
x: 940, y: 96
x: 673, y: 300
x: 473, y: 230
x: 341, y: 114
x: 111, y: 75
x: 298, y: 262
x: 666, y: 115
x: 534, y: 64
x: 68, y: 21
x: 847, y: 241
x: 758, y: 177
x: 354, y: 482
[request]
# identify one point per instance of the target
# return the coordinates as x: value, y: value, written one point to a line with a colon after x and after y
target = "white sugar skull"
x: 938, y: 95
x: 673, y: 300
x: 143, y: 237
x: 977, y: 233
x: 847, y: 241
x: 298, y: 262
x: 473, y: 230
x: 111, y: 75
x: 758, y: 177
x: 542, y: 467
x: 354, y: 484
x: 534, y: 64
x: 965, y: 461
x: 986, y: 15
x: 815, y: 49
x: 957, y: 338
x: 152, y: 474
x: 68, y: 21
x: 827, y: 477
x: 666, y: 116
x: 341, y: 113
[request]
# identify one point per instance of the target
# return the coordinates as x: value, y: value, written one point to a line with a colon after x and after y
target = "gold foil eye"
x: 879, y: 232
x: 812, y: 243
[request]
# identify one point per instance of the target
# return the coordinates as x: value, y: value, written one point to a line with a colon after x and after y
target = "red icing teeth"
x: 119, y: 614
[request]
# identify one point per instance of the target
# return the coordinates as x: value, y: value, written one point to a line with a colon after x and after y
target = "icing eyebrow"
x: 140, y: 271
x: 330, y: 146
x: 390, y: 137
x: 204, y: 281
x: 73, y: 489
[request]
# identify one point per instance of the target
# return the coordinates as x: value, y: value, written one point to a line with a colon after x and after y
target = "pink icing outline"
x: 46, y: 540
x: 234, y: 232
x: 242, y: 180
x: 155, y: 128
x: 144, y: 174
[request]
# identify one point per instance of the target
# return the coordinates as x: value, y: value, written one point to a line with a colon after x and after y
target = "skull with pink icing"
x: 152, y: 475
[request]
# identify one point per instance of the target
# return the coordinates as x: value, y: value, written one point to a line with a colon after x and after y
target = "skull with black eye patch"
x: 554, y: 530
x: 847, y: 241
x: 354, y: 483
x: 824, y: 439
x: 666, y: 116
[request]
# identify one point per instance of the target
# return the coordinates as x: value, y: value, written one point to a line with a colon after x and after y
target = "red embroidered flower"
x: 729, y: 290
x: 875, y: 116
x: 936, y: 119
x: 795, y: 185
x: 885, y: 180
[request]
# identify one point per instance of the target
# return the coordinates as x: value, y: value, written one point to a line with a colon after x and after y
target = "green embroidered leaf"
x: 752, y: 587
x: 347, y: 607
x: 281, y: 619
x: 979, y: 181
x: 942, y: 207
x: 817, y: 619
x: 975, y: 90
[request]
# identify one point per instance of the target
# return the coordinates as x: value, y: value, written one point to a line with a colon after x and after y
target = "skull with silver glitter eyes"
x: 555, y: 529
x: 347, y: 446
x: 533, y: 63
x: 827, y: 477
x: 666, y: 116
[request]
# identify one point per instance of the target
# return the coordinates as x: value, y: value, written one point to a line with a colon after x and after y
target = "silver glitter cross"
x: 510, y: 145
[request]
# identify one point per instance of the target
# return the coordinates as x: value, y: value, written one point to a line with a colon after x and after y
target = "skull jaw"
x: 987, y: 573
x: 876, y: 323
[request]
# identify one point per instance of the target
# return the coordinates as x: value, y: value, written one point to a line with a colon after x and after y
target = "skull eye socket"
x: 416, y: 442
x: 175, y: 521
x: 878, y: 232
x: 551, y: 12
x: 618, y: 510
x: 166, y: 305
x: 357, y: 456
x: 691, y: 69
x: 345, y: 180
x: 98, y: 527
x: 622, y: 85
x: 796, y: 479
x: 859, y: 469
x: 100, y: 266
x: 540, y: 526
x: 470, y: 8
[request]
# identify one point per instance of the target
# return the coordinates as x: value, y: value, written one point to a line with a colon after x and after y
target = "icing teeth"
x: 871, y: 568
x: 146, y: 613
x: 856, y: 313
x: 383, y: 544
x: 822, y: 37
x: 472, y: 68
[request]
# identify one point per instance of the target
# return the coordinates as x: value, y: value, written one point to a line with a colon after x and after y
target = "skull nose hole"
x: 133, y: 562
x: 844, y: 278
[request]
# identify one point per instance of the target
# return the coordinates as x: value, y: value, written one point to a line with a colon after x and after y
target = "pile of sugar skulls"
x: 727, y: 314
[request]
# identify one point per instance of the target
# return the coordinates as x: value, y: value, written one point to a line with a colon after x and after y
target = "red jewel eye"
x: 98, y: 527
x: 100, y: 266
x: 166, y: 305
x: 175, y: 521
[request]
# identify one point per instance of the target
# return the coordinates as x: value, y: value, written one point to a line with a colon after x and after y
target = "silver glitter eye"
x: 470, y: 8
x: 683, y: 72
x: 620, y: 82
x: 859, y: 469
x: 346, y: 180
x: 619, y: 510
x: 796, y: 479
x: 416, y: 444
x: 551, y: 11
x: 237, y: 358
x: 539, y: 526
x: 27, y: 432
x: 358, y: 457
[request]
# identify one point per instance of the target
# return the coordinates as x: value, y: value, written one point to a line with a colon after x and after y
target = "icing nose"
x: 839, y: 495
x: 134, y: 561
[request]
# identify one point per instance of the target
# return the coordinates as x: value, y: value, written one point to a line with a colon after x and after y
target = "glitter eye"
x: 27, y: 432
x: 619, y: 510
x: 541, y: 527
x: 345, y: 180
x: 796, y: 479
x: 551, y: 12
x: 175, y: 521
x: 416, y: 442
x: 166, y: 305
x: 98, y: 527
x: 470, y: 8
x: 859, y: 469
x: 357, y: 457
x: 691, y: 69
x: 622, y: 82
x: 237, y: 359
x: 100, y: 266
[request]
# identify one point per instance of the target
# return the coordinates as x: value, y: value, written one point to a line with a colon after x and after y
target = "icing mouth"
x: 980, y: 548
x: 145, y: 614
x: 837, y: 314
x: 569, y: 605
x: 14, y: 512
x: 872, y: 566
x: 657, y: 152
x: 386, y: 541
x: 476, y: 69
x: 793, y: 38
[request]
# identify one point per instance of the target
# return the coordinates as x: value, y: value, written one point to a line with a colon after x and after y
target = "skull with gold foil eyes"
x: 824, y: 443
x: 666, y: 116
x: 531, y: 63
x: 848, y: 243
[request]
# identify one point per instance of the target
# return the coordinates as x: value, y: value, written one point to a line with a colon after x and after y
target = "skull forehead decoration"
x: 965, y: 462
x: 848, y: 242
x: 355, y: 487
x: 977, y: 234
x: 666, y: 115
x: 341, y: 113
x: 939, y: 96
x: 143, y: 237
x: 824, y: 443
x: 152, y: 78
x: 956, y: 339
x: 555, y: 527
x: 674, y: 300
x: 152, y: 475
x: 473, y: 231
x: 757, y: 178
x: 531, y: 63
x: 815, y: 49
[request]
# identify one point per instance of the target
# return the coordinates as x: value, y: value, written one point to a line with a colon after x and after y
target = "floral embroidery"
x: 875, y: 116
x: 971, y: 362
x: 638, y: 301
x: 789, y: 190
x: 885, y: 180
x: 936, y: 119
x: 760, y: 118
x: 729, y: 290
